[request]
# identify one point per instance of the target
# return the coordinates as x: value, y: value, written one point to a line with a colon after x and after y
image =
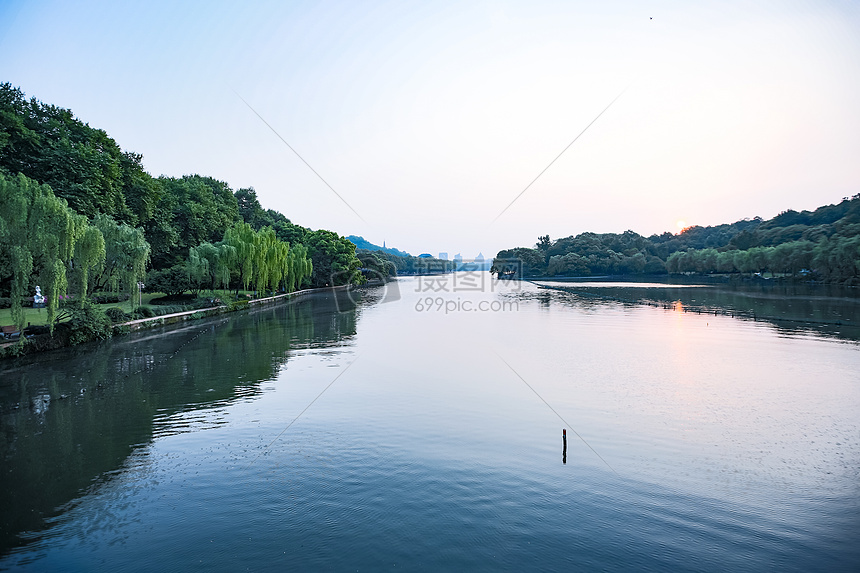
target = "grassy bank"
x: 39, y: 316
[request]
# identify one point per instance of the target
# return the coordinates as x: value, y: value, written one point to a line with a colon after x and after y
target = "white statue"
x: 38, y: 298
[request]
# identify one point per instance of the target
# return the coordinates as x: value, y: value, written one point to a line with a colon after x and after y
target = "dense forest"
x: 78, y: 215
x: 811, y: 245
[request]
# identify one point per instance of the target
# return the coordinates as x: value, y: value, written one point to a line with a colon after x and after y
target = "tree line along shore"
x: 821, y: 246
x: 83, y: 220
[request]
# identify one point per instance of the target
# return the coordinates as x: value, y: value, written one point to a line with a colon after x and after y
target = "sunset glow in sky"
x: 430, y: 118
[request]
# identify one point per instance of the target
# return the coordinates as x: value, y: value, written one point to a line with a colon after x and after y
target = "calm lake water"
x: 422, y: 430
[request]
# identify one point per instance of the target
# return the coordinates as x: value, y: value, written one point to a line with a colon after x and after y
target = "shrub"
x: 6, y: 302
x: 238, y: 305
x: 109, y: 298
x: 169, y: 305
x: 15, y: 350
x: 174, y: 300
x: 87, y: 323
x: 66, y: 301
x: 37, y: 329
x: 116, y: 314
x: 171, y: 309
x: 143, y: 312
x: 153, y: 311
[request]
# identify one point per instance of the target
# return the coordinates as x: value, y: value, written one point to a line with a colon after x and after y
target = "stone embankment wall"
x: 167, y: 319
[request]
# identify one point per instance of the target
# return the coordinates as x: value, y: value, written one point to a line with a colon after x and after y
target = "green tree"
x: 544, y: 243
x: 333, y: 256
x: 270, y: 260
x: 171, y: 281
x: 89, y: 255
x: 569, y: 264
x: 300, y: 268
x: 142, y: 193
x: 520, y: 262
x: 250, y: 209
x: 48, y: 144
x: 197, y: 209
x: 212, y: 264
x: 242, y: 239
x: 197, y: 268
x: 126, y: 256
x: 39, y: 234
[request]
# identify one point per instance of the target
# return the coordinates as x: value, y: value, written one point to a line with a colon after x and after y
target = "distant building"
x: 479, y: 258
x: 425, y: 256
x: 443, y: 256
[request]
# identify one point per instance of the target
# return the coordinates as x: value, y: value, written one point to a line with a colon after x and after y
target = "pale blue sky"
x: 429, y: 118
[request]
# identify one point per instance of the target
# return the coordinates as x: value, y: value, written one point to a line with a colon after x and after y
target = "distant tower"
x: 443, y: 256
x: 383, y: 243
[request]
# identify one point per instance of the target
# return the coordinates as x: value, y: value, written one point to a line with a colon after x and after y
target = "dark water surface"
x: 712, y: 443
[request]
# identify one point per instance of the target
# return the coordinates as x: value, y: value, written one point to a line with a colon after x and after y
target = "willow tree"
x: 198, y: 267
x: 127, y: 253
x: 89, y: 255
x: 212, y: 264
x: 278, y: 260
x: 243, y: 239
x: 226, y: 260
x: 270, y: 259
x: 300, y: 267
x: 278, y: 264
x: 40, y: 238
x: 258, y: 257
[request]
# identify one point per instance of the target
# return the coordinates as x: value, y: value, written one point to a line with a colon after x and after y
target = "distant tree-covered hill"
x: 386, y: 261
x: 362, y: 243
x: 822, y: 244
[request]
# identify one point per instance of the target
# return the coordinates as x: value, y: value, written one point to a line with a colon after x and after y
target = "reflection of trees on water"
x: 831, y: 311
x: 70, y: 416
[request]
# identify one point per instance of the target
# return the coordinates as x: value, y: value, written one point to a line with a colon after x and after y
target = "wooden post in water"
x: 564, y: 445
